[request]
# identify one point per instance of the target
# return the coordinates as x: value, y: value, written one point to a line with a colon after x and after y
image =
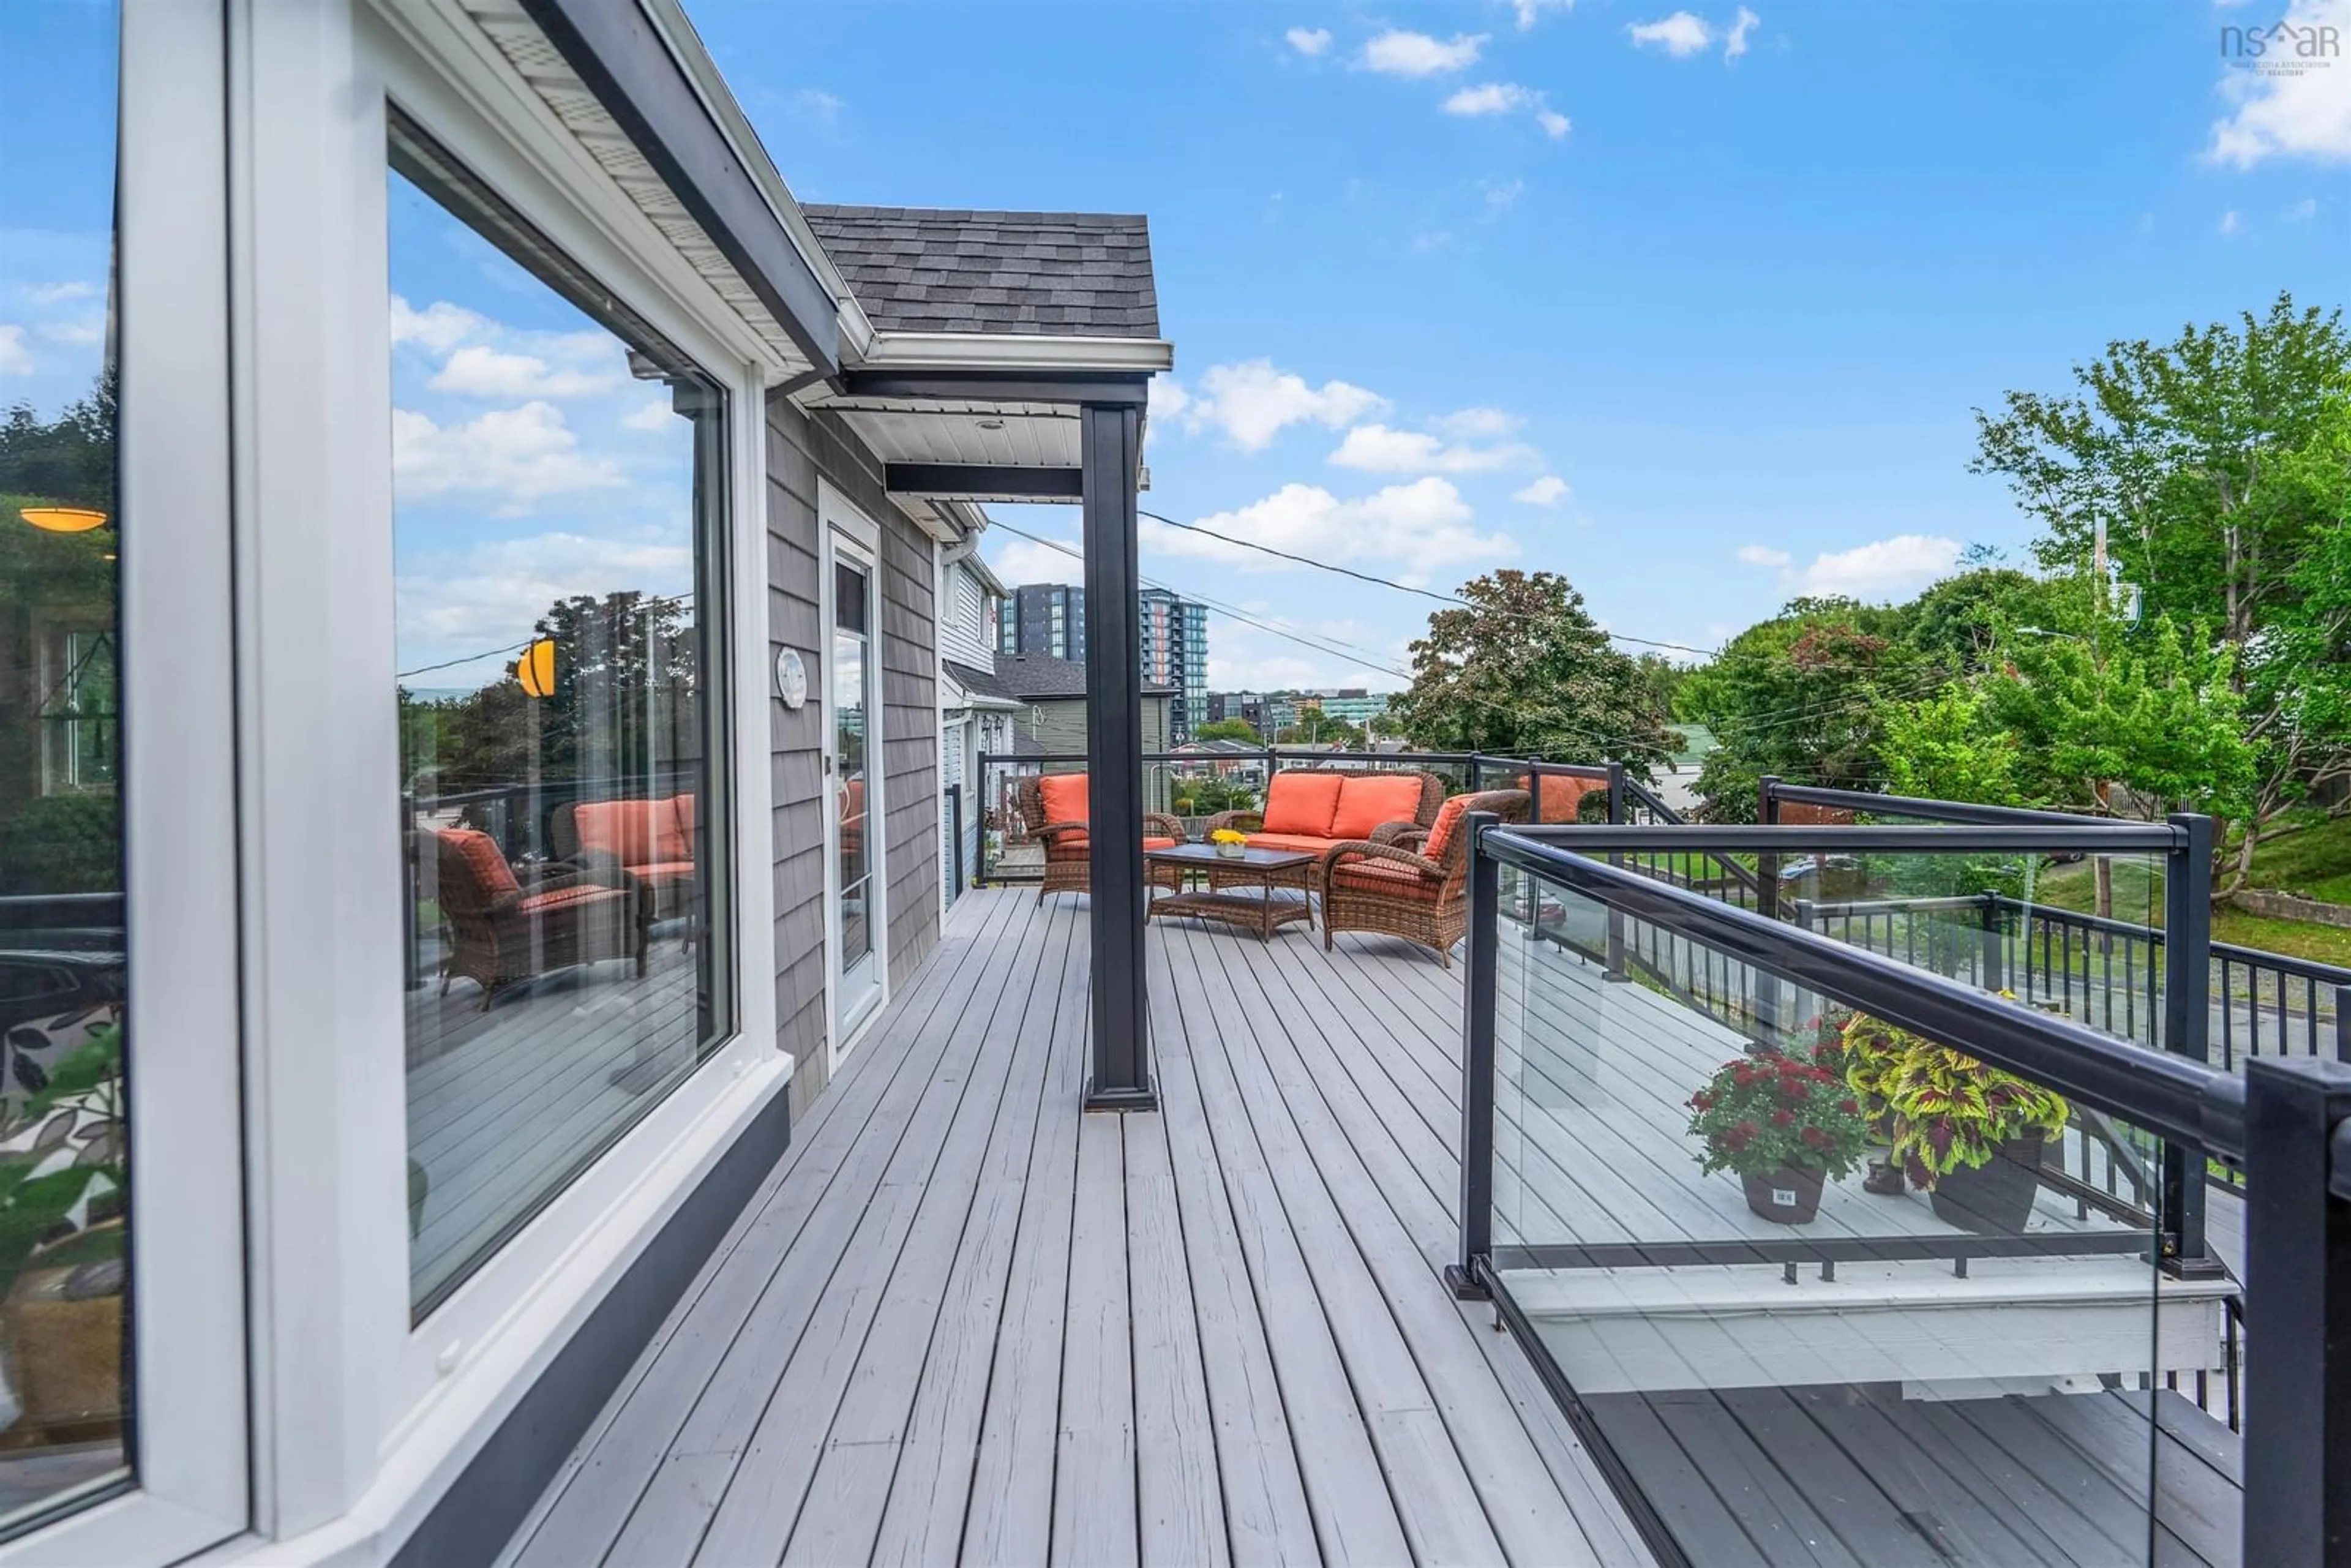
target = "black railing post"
x: 1473, y: 771
x: 955, y: 825
x: 1480, y: 973
x: 2187, y: 1029
x: 1993, y: 966
x: 2298, y: 1269
x: 1617, y: 970
x: 2342, y: 1023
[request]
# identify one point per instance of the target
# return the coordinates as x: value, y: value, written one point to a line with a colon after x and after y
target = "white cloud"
x: 2230, y: 223
x: 81, y: 332
x: 1168, y: 399
x: 1434, y: 239
x: 1548, y: 491
x: 1885, y: 569
x: 2303, y: 210
x: 1681, y: 35
x: 1529, y: 11
x: 1735, y: 41
x: 521, y: 455
x: 1422, y: 527
x: 2287, y: 103
x: 1478, y: 424
x: 1508, y: 98
x: 15, y: 359
x: 1019, y: 560
x: 439, y: 327
x: 819, y: 104
x: 1762, y: 555
x: 1309, y: 41
x: 1399, y: 53
x: 1378, y: 449
x: 58, y: 293
x: 1252, y: 402
x: 476, y: 370
x: 489, y: 596
x: 652, y: 417
x: 1500, y: 198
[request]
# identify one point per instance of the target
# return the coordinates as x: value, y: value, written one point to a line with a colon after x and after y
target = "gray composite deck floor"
x: 962, y: 1321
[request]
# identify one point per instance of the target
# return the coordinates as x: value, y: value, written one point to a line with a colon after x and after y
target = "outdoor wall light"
x: 63, y: 519
x: 536, y: 669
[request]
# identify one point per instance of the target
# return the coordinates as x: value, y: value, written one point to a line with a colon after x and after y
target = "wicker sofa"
x: 507, y: 927
x: 1053, y: 809
x: 1411, y: 884
x: 1313, y: 808
x: 653, y: 840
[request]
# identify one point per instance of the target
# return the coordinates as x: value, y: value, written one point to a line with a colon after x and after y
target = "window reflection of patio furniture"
x: 506, y: 928
x: 1053, y: 807
x: 1310, y: 809
x: 653, y: 840
x: 853, y: 820
x: 1408, y: 882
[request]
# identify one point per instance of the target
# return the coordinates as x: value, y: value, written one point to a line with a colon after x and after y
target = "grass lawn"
x: 2315, y: 862
x: 2138, y: 898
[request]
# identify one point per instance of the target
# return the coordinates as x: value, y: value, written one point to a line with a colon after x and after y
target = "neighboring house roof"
x: 1040, y: 678
x: 978, y: 683
x: 931, y: 269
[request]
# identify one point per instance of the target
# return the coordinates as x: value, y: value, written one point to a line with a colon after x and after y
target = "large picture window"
x: 558, y: 483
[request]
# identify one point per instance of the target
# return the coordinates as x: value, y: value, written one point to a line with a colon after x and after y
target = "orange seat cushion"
x: 1560, y: 797
x: 664, y: 873
x: 492, y: 876
x: 622, y: 829
x: 1072, y: 846
x: 567, y: 897
x: 1387, y: 877
x: 1309, y: 843
x: 1449, y: 822
x: 1371, y: 802
x: 1301, y: 803
x: 1064, y: 795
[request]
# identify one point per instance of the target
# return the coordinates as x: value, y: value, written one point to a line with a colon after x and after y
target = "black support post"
x: 1477, y: 1063
x: 1109, y: 454
x: 1766, y: 900
x: 2187, y: 1030
x: 2298, y: 1286
x: 1617, y: 970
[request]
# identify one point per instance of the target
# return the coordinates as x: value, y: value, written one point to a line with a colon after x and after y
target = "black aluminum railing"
x: 2284, y: 1119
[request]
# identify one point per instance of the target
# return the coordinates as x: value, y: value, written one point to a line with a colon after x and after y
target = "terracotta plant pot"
x: 1789, y: 1196
x: 1994, y: 1198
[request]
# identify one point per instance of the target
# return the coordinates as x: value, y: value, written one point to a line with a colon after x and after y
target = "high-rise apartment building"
x: 1043, y: 617
x: 1050, y: 618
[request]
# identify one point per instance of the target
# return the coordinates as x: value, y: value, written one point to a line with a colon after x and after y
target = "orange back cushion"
x: 1302, y: 803
x: 1449, y: 822
x: 673, y: 830
x: 1065, y: 797
x: 1560, y: 797
x: 622, y: 829
x: 853, y: 802
x: 1368, y: 803
x: 492, y: 876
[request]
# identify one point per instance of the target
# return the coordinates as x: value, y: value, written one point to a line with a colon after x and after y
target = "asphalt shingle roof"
x: 980, y: 682
x: 937, y: 270
x: 1032, y: 677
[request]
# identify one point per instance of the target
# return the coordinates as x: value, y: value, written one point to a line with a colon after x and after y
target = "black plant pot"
x: 1994, y: 1198
x: 1789, y: 1196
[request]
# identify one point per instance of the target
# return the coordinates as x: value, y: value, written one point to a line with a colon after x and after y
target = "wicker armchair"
x: 1306, y: 878
x: 508, y: 926
x: 1411, y: 883
x: 1068, y: 864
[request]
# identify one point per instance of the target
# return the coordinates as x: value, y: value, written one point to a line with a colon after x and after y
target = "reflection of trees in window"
x: 624, y: 704
x: 59, y: 691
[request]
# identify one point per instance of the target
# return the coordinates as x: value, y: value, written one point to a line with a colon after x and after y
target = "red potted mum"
x: 1785, y: 1125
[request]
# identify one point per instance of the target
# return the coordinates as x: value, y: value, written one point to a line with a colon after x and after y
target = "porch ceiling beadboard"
x: 536, y: 58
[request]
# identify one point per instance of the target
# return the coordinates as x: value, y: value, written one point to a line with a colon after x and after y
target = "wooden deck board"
x: 965, y: 1322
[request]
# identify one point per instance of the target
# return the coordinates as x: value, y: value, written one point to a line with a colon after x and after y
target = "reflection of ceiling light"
x: 63, y: 519
x: 536, y: 669
x: 991, y: 425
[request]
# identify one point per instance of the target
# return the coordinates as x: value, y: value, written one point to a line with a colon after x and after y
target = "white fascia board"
x: 1013, y: 352
x: 670, y: 20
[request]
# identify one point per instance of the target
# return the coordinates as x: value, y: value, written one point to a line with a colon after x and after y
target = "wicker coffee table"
x: 1262, y: 912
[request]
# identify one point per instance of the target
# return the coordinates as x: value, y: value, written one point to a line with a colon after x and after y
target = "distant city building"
x: 1175, y: 654
x: 1247, y: 706
x: 1357, y: 706
x: 1043, y: 617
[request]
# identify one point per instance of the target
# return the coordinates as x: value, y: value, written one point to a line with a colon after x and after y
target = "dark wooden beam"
x: 613, y: 49
x: 984, y: 479
x: 1106, y: 389
x: 1110, y: 448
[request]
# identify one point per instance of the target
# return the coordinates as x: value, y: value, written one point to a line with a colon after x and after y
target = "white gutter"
x: 1014, y: 351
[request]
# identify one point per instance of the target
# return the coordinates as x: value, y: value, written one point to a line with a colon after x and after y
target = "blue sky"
x: 1735, y: 288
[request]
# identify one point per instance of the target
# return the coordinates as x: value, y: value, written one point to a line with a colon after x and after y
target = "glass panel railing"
x: 1827, y: 1289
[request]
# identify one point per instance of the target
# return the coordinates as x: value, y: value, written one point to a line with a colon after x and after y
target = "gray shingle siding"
x: 931, y: 269
x: 800, y: 449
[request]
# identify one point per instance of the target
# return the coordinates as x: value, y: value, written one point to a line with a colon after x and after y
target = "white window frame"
x: 362, y: 1420
x: 841, y: 523
x: 188, y: 1322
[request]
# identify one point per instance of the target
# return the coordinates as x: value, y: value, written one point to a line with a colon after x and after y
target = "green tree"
x: 2216, y: 466
x: 1951, y: 747
x: 1238, y: 729
x: 1314, y: 728
x: 1523, y: 671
